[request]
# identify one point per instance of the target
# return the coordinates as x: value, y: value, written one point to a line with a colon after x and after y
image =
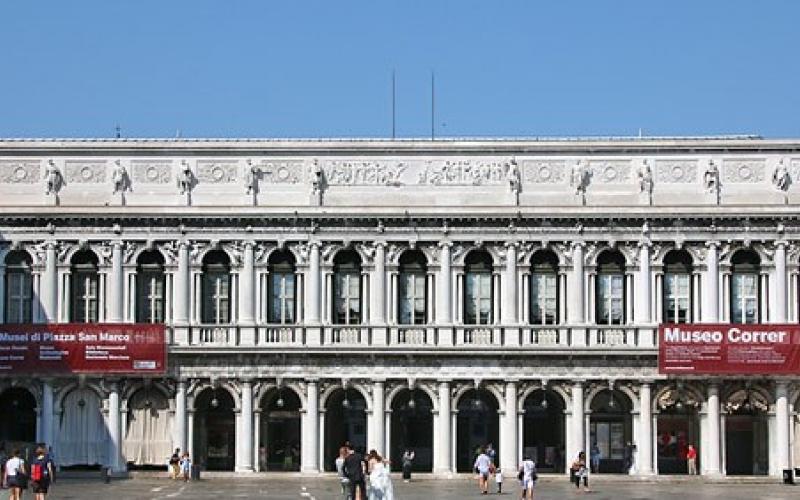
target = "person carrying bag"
x: 15, y: 475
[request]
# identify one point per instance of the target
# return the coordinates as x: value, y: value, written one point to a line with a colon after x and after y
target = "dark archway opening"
x: 215, y: 430
x: 477, y: 425
x: 412, y: 429
x: 611, y: 431
x: 746, y: 443
x: 543, y: 430
x: 279, y: 446
x: 678, y: 426
x: 345, y: 422
x: 17, y: 418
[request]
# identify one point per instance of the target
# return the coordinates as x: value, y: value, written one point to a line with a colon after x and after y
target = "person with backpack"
x: 41, y: 473
x: 175, y: 464
x: 15, y: 475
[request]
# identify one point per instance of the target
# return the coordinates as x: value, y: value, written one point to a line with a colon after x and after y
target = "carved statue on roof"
x: 54, y: 181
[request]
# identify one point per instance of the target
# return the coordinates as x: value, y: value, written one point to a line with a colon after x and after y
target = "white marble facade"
x: 541, y: 270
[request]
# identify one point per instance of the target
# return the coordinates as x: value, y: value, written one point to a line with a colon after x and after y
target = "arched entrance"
x: 610, y: 430
x: 543, y: 430
x: 215, y: 430
x: 83, y: 435
x: 678, y: 426
x: 279, y: 435
x: 746, y: 434
x: 17, y: 418
x: 149, y: 427
x: 412, y: 428
x: 345, y: 421
x: 477, y: 425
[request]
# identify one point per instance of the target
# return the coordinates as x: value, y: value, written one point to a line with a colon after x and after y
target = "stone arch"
x: 148, y: 246
x: 689, y: 388
x: 29, y: 385
x: 361, y: 388
x: 227, y: 386
x: 66, y: 257
x: 392, y: 394
x: 157, y: 386
x: 58, y: 400
x: 733, y: 388
x: 765, y: 257
x: 265, y: 388
x: 629, y: 393
x: 523, y: 396
x: 464, y: 388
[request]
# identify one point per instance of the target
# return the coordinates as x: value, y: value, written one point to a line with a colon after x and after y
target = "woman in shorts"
x: 15, y: 475
x: 41, y: 473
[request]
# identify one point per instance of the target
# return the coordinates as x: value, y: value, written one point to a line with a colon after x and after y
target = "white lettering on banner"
x: 737, y: 336
x: 734, y: 335
x: 676, y: 335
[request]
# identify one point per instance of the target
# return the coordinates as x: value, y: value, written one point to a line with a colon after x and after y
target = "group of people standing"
x: 180, y: 465
x: 363, y: 477
x: 17, y: 475
x: 485, y: 466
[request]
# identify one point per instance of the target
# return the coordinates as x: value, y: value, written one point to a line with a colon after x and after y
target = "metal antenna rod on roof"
x: 118, y: 130
x: 393, y: 106
x: 433, y: 105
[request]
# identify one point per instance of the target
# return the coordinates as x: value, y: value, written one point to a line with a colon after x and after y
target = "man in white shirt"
x: 482, y: 466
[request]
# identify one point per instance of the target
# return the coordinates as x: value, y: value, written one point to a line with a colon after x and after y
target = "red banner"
x: 729, y: 349
x: 83, y: 348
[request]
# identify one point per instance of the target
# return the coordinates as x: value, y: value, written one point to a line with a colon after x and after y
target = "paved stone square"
x: 283, y: 487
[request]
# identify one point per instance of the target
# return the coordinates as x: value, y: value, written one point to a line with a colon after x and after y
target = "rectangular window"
x: 677, y: 298
x: 84, y: 298
x: 150, y: 297
x: 478, y: 299
x: 412, y: 299
x: 744, y: 298
x: 610, y: 299
x: 544, y: 299
x: 282, y: 298
x: 216, y: 297
x: 347, y: 300
x: 19, y: 291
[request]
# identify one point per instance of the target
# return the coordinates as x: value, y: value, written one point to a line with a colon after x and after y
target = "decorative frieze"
x: 676, y: 171
x: 20, y: 172
x: 85, y: 171
x: 610, y: 171
x: 364, y: 173
x: 544, y: 172
x: 464, y: 173
x: 217, y: 172
x: 743, y: 171
x: 151, y: 172
x: 282, y: 171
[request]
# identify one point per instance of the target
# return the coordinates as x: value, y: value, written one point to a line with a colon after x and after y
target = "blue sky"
x: 323, y: 68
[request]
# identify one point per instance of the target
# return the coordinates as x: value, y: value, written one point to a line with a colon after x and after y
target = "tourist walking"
x: 527, y: 476
x: 354, y: 470
x: 186, y: 466
x: 175, y: 464
x: 691, y: 460
x: 408, y: 460
x: 41, y: 473
x: 380, y: 483
x: 344, y: 483
x: 483, y: 466
x: 594, y: 458
x: 16, y: 475
x: 580, y: 472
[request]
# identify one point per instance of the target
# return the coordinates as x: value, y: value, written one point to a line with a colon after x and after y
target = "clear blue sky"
x: 323, y: 68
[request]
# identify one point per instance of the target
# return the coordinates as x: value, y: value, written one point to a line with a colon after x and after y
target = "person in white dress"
x: 380, y: 483
x: 528, y: 476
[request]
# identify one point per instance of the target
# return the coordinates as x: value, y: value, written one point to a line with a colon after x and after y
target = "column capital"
x: 249, y: 244
x: 315, y: 244
x: 445, y: 244
x: 713, y: 244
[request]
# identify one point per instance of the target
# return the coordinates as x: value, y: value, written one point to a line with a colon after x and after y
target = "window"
x: 412, y: 290
x: 150, y: 284
x: 84, y: 297
x: 19, y: 288
x: 610, y: 291
x: 347, y: 288
x: 216, y: 288
x: 478, y: 289
x: 677, y: 287
x: 544, y: 288
x: 281, y: 309
x: 745, y: 268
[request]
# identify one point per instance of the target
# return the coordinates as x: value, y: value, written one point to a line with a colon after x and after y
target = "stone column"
x: 180, y: 416
x: 115, y: 286
x: 378, y: 286
x: 712, y: 467
x: 575, y: 310
x: 711, y: 287
x: 444, y: 314
x: 645, y: 444
x: 181, y: 285
x: 442, y: 453
x: 508, y: 435
x: 247, y: 285
x: 643, y: 295
x: 578, y: 430
x: 309, y: 453
x: 313, y: 288
x: 114, y: 430
x: 508, y: 309
x: 245, y: 440
x: 782, y: 423
x: 377, y: 429
x: 49, y: 285
x: 779, y: 312
x: 47, y: 413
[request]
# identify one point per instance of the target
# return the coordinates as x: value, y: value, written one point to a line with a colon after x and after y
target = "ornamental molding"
x: 151, y: 171
x: 544, y: 171
x: 85, y: 171
x: 464, y: 173
x: 282, y: 171
x: 743, y: 171
x: 364, y: 172
x: 20, y: 171
x: 610, y: 171
x: 217, y: 171
x: 676, y: 171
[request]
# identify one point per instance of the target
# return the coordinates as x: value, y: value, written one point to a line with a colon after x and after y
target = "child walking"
x: 186, y: 466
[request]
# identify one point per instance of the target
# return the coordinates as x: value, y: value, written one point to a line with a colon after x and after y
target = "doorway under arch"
x: 215, y: 430
x: 17, y: 418
x: 345, y: 422
x: 543, y: 430
x: 279, y: 435
x: 149, y: 427
x: 412, y: 429
x: 611, y: 431
x: 477, y: 425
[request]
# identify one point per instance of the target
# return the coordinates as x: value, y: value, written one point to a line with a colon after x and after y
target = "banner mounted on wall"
x: 723, y: 349
x: 83, y: 348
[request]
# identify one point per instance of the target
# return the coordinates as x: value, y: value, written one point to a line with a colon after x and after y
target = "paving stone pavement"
x: 326, y: 488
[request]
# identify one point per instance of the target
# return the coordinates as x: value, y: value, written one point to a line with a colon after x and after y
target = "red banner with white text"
x: 83, y: 348
x: 729, y: 349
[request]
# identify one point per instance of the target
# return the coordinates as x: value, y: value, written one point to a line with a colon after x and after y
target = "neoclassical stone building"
x: 437, y: 295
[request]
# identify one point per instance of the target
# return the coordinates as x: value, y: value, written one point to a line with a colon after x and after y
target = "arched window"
x: 347, y: 288
x: 150, y: 284
x: 412, y: 291
x: 544, y: 288
x: 610, y: 292
x: 677, y: 287
x: 281, y: 309
x: 19, y: 287
x: 216, y: 288
x: 85, y: 297
x: 478, y: 289
x: 745, y: 270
